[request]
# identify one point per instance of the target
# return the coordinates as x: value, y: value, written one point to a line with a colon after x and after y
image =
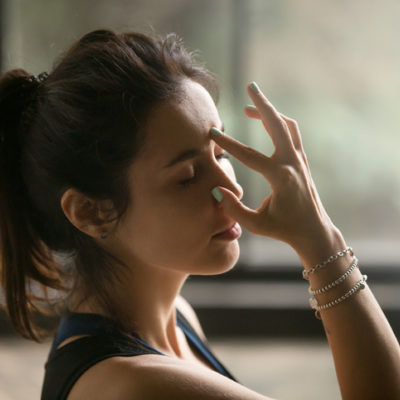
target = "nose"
x: 228, y: 180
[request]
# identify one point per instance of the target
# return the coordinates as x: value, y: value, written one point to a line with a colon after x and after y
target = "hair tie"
x: 30, y: 94
x: 39, y: 78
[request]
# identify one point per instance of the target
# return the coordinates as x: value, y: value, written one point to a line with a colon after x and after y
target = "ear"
x: 88, y: 215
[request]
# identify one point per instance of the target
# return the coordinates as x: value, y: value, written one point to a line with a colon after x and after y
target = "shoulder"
x: 188, y: 312
x: 155, y: 377
x: 152, y: 376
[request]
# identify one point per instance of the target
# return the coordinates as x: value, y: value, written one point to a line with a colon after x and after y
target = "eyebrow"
x: 188, y: 154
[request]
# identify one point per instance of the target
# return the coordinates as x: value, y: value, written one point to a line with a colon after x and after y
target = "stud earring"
x: 104, y: 235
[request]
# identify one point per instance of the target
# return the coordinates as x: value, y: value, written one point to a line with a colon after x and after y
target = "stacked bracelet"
x: 337, y: 281
x: 341, y: 253
x: 359, y: 285
x: 314, y: 304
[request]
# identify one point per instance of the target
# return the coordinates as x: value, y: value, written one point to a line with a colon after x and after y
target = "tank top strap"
x: 201, y: 345
x: 74, y: 324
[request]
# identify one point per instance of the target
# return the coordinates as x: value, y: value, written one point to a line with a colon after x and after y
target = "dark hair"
x: 79, y: 128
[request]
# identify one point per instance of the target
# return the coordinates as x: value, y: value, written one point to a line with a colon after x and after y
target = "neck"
x: 146, y: 305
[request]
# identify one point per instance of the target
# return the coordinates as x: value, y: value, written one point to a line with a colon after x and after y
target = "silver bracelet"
x: 336, y: 282
x: 340, y: 253
x: 314, y: 303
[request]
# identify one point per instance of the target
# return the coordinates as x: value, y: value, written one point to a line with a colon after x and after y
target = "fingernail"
x: 254, y: 87
x: 216, y: 131
x: 251, y: 107
x: 217, y: 194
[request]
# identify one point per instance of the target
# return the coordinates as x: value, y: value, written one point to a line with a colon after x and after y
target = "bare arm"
x: 365, y: 350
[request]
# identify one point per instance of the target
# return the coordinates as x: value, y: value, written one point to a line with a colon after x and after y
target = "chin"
x: 222, y: 262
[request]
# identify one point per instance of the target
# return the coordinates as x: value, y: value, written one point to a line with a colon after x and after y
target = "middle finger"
x: 278, y: 130
x: 252, y: 112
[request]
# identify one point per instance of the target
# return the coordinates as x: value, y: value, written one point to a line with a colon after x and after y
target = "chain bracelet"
x: 340, y: 253
x: 314, y: 303
x: 337, y: 281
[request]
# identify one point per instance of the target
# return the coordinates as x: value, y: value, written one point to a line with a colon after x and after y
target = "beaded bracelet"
x: 314, y: 303
x: 340, y: 253
x: 337, y: 281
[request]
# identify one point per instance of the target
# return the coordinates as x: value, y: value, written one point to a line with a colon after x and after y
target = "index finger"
x: 278, y: 130
x: 245, y: 154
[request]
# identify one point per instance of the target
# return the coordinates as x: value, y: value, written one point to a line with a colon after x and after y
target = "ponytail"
x: 24, y: 258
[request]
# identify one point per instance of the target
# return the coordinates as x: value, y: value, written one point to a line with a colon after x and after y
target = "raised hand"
x: 293, y: 212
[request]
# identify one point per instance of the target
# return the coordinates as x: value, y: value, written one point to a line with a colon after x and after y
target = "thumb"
x: 244, y: 215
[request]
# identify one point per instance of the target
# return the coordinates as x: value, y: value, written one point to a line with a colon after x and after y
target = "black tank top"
x: 65, y: 365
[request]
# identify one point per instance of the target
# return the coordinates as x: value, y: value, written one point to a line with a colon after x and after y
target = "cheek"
x: 181, y: 223
x: 167, y: 230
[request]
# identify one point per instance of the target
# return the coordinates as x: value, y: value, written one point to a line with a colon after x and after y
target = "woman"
x: 117, y: 159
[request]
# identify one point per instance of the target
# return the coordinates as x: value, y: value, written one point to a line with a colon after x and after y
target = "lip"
x: 230, y: 233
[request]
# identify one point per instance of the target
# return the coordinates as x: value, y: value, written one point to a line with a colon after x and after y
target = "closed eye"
x: 191, y: 180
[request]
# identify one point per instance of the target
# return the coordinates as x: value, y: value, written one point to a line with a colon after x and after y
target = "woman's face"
x: 173, y: 216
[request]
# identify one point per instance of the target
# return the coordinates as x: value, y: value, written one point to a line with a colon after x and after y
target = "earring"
x: 104, y: 235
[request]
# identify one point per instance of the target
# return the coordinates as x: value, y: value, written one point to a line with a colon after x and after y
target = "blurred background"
x: 332, y: 66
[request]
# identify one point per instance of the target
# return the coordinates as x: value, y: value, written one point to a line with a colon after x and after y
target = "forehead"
x: 180, y: 123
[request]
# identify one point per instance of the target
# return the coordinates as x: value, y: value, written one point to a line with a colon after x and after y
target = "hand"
x: 293, y: 212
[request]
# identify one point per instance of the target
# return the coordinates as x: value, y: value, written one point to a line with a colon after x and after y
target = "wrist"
x: 317, y: 248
